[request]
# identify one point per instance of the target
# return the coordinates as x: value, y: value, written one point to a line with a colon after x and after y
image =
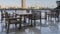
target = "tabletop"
x: 24, y: 14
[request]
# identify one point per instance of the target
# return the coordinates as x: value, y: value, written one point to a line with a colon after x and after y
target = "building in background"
x: 58, y: 5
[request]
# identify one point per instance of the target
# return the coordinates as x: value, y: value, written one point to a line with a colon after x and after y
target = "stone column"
x: 24, y: 5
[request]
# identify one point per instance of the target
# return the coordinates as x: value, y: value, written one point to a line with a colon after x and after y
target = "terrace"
x: 46, y: 21
x: 29, y: 20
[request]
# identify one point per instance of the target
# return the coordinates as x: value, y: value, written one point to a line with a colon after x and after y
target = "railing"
x: 48, y: 13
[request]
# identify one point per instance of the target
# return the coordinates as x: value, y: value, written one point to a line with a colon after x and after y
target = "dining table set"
x: 17, y: 19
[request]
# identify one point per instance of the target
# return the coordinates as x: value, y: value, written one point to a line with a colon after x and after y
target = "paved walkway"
x: 51, y: 29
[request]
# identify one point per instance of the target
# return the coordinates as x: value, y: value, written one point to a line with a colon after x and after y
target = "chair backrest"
x: 2, y: 14
x: 53, y: 14
x: 6, y: 17
x: 36, y: 14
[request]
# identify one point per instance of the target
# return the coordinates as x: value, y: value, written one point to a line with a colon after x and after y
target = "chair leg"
x: 31, y: 23
x: 19, y: 25
x: 16, y: 25
x: 34, y: 23
x: 8, y: 25
x: 5, y: 25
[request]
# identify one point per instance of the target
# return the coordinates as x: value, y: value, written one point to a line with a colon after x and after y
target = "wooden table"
x: 24, y: 16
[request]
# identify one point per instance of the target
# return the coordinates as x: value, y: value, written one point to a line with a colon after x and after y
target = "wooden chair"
x: 2, y: 16
x: 54, y: 14
x: 2, y: 20
x: 35, y: 16
x: 11, y: 21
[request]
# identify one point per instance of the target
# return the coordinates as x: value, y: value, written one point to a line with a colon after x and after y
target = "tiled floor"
x: 44, y: 29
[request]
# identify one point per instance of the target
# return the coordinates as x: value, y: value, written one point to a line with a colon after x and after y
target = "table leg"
x: 40, y: 23
x: 20, y: 24
x: 24, y: 19
x: 34, y: 21
x: 28, y: 21
x: 58, y: 18
x: 31, y: 20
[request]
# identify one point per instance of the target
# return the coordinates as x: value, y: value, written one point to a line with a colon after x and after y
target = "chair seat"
x: 34, y: 17
x: 14, y: 21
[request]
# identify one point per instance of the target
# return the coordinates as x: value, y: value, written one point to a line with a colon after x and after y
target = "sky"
x: 41, y: 3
